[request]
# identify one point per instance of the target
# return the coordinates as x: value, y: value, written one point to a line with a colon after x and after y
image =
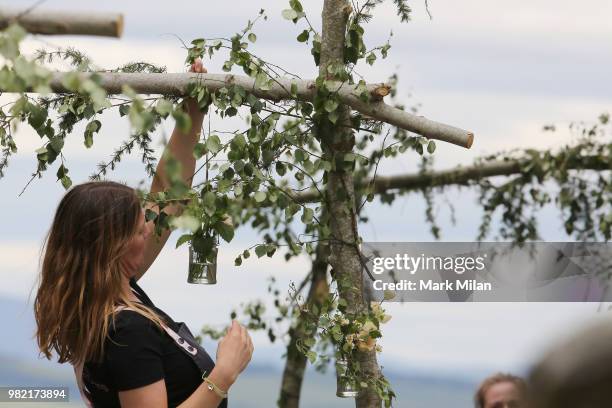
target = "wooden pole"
x: 295, y: 366
x: 345, y: 257
x: 457, y: 176
x: 175, y: 84
x: 64, y: 23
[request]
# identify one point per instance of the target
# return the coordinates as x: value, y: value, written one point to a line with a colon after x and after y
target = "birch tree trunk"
x: 344, y: 252
x: 295, y: 365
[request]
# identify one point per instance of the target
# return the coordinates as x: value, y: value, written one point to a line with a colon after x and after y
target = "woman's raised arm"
x: 181, y: 147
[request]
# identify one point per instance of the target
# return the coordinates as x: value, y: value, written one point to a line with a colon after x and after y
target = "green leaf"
x: 252, y: 37
x: 290, y: 210
x: 238, y: 189
x: 371, y: 58
x: 281, y: 169
x: 9, y: 46
x: 37, y: 116
x: 62, y: 175
x: 431, y: 147
x: 296, y: 5
x: 260, y: 250
x: 61, y: 171
x: 289, y: 14
x: 271, y: 249
x: 304, y: 35
x: 309, y: 342
x: 389, y: 294
x: 261, y: 81
x: 306, y: 109
x: 150, y: 215
x: 312, y: 356
x: 91, y: 128
x: 15, y: 32
x: 260, y: 196
x: 199, y: 150
x: 225, y: 230
x: 300, y: 155
x: 307, y: 215
x: 419, y: 149
x: 186, y: 222
x: 331, y: 105
x: 88, y: 140
x: 182, y: 239
x: 199, y: 42
x: 124, y: 110
x: 163, y: 107
x: 209, y: 202
x: 56, y: 144
x: 385, y: 50
x: 66, y: 182
x: 213, y: 144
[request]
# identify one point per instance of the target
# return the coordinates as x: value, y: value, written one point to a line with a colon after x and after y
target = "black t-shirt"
x: 138, y: 355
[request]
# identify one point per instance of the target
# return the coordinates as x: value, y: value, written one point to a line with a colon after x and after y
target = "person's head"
x: 95, y: 243
x: 501, y: 391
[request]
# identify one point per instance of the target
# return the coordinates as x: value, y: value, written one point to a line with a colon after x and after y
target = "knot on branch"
x: 230, y: 79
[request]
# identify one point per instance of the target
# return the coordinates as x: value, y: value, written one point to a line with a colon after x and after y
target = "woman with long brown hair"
x: 90, y: 310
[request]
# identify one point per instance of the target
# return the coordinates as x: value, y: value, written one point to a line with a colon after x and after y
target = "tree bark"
x: 340, y: 196
x: 295, y: 365
x: 58, y: 22
x: 175, y: 84
x: 458, y: 176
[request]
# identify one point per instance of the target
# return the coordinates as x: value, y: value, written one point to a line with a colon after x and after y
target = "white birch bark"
x: 176, y: 84
x: 65, y: 23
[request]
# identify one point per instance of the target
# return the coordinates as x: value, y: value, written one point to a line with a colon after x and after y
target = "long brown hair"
x: 80, y: 281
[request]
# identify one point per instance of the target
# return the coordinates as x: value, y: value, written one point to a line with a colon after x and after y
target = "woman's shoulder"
x: 127, y: 320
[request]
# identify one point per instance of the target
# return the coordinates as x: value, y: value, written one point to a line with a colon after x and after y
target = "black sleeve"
x: 134, y: 355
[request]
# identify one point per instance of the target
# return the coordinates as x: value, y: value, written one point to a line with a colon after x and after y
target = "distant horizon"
x: 317, y: 388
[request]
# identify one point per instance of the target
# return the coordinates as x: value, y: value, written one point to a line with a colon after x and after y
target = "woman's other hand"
x: 234, y: 351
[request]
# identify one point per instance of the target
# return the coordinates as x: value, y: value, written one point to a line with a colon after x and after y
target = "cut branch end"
x: 470, y: 140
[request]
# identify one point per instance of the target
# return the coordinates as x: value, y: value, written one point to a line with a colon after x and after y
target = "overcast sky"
x: 502, y: 70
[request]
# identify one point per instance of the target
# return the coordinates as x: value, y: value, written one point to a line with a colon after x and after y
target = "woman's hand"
x: 198, y: 67
x: 192, y: 106
x: 234, y: 352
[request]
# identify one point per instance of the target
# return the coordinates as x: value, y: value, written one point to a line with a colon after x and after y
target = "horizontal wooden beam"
x: 176, y: 84
x: 458, y: 176
x: 65, y: 23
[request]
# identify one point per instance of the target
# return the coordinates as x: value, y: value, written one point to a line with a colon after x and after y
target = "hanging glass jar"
x: 203, y: 250
x: 345, y: 387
